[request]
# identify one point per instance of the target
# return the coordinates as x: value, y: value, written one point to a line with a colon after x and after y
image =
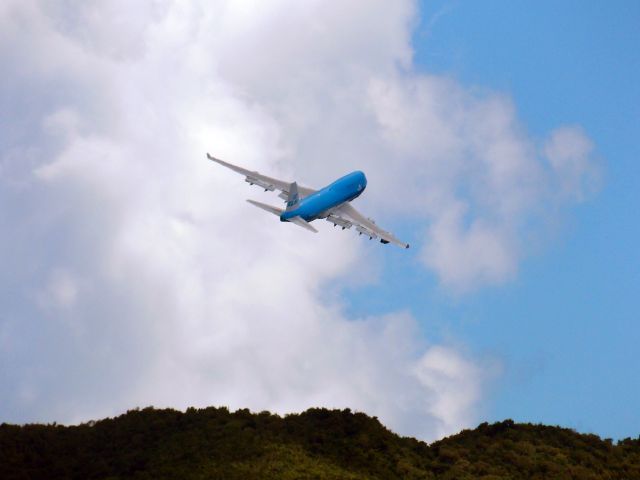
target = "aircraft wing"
x: 347, y: 216
x: 268, y: 183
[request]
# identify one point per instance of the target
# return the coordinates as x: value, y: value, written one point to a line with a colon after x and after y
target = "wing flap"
x: 339, y: 221
x: 256, y: 181
x: 347, y: 214
x: 268, y: 183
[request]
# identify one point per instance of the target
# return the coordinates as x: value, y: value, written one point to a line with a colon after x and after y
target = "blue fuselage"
x: 319, y: 203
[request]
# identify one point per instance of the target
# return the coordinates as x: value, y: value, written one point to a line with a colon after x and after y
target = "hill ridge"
x: 214, y: 442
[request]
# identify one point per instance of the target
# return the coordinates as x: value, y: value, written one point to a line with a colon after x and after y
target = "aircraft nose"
x: 362, y: 179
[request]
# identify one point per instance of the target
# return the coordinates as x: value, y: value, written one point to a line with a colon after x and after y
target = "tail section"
x: 301, y: 222
x: 275, y: 210
x: 294, y: 198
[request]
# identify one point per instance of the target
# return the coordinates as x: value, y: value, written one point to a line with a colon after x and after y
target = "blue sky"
x: 134, y: 273
x: 567, y: 329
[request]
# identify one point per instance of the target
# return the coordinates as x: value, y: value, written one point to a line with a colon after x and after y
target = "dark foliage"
x: 214, y: 443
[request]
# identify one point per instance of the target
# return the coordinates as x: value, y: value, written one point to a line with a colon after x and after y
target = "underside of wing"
x: 268, y: 183
x: 346, y: 216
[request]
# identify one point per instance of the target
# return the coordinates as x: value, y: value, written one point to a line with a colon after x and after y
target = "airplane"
x: 304, y: 205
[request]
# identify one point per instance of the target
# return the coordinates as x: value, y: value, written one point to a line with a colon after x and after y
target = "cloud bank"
x: 134, y: 273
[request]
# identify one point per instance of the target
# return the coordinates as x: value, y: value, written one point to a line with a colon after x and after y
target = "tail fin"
x: 294, y: 198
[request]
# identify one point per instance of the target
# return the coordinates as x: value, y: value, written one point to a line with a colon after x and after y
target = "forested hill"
x: 214, y: 443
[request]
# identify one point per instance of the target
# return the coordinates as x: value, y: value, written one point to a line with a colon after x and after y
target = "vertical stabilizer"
x: 294, y: 198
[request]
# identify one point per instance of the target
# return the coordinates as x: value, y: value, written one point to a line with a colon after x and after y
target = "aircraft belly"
x: 319, y: 203
x: 315, y: 207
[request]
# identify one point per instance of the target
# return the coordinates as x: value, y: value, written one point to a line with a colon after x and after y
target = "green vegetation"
x: 214, y: 443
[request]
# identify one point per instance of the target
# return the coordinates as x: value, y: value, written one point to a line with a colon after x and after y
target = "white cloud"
x: 479, y: 253
x: 189, y: 296
x: 463, y: 161
x: 569, y: 152
x: 458, y: 382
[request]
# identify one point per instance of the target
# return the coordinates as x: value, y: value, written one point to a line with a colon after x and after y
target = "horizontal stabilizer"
x: 301, y: 222
x: 275, y: 210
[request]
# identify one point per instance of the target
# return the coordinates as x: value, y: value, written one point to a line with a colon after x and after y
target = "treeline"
x: 213, y: 443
